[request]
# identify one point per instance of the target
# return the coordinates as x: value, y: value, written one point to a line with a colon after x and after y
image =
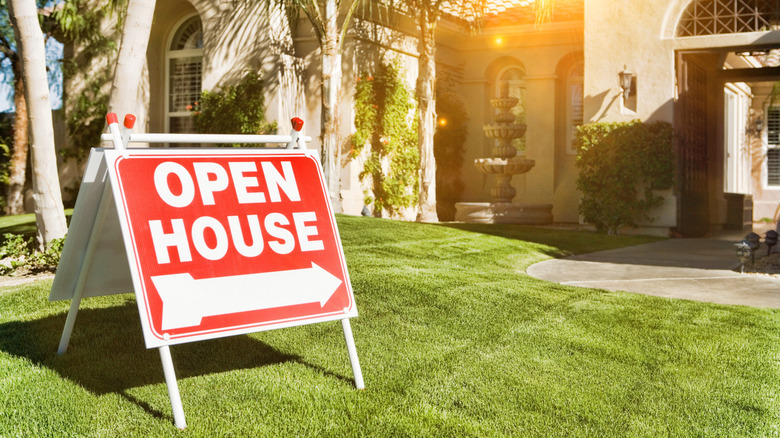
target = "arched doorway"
x: 719, y: 47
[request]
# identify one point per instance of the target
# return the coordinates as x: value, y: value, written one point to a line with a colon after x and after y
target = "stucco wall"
x: 623, y: 34
x: 627, y: 34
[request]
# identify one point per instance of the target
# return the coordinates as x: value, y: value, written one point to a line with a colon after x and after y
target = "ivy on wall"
x: 620, y: 166
x: 234, y: 109
x: 385, y: 122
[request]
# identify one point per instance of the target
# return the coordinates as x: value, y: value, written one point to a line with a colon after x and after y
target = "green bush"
x: 235, y: 109
x: 384, y: 120
x: 620, y: 165
x: 19, y: 256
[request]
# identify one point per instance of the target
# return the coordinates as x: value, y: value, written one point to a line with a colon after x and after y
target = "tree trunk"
x: 49, y: 213
x: 426, y: 81
x: 331, y: 91
x: 126, y: 88
x: 15, y: 193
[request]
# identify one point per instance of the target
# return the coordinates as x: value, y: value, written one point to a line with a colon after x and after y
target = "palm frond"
x: 543, y: 11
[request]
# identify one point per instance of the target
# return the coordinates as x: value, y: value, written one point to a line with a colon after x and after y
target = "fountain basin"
x: 504, y: 166
x: 504, y: 103
x: 503, y: 213
x: 504, y: 131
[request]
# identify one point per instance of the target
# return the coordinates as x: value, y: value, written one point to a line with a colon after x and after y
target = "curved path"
x: 692, y: 269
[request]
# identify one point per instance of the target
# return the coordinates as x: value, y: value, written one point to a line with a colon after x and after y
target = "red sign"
x: 228, y: 241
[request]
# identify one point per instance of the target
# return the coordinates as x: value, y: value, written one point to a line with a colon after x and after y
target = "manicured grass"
x: 454, y: 340
x: 22, y: 224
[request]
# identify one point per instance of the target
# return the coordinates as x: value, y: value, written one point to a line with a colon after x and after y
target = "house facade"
x: 705, y: 66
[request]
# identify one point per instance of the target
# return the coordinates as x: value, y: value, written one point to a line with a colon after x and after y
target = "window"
x: 184, y: 70
x: 574, y: 100
x: 714, y: 17
x: 773, y: 146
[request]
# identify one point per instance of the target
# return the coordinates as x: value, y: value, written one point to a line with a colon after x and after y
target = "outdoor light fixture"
x: 626, y: 81
x: 746, y: 249
x: 755, y: 127
x: 771, y: 240
x: 754, y: 240
x: 743, y: 254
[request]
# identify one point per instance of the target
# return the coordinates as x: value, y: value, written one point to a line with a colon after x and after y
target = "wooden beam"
x: 762, y: 74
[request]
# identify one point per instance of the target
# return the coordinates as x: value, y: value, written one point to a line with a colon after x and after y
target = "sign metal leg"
x: 70, y: 321
x: 353, y: 357
x: 173, y: 387
x: 78, y: 292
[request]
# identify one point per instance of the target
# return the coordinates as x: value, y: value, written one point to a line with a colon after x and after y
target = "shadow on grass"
x: 563, y: 242
x: 557, y: 240
x: 107, y: 353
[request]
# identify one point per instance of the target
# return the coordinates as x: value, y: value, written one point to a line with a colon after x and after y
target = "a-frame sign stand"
x: 213, y: 242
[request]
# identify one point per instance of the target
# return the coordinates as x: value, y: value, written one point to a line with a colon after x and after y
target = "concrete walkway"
x: 693, y: 269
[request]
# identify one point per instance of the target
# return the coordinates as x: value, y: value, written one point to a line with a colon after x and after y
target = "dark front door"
x: 693, y: 157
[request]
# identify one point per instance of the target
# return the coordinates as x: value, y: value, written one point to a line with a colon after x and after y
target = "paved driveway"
x: 693, y: 269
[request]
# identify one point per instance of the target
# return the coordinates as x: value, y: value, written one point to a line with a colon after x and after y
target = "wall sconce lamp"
x: 756, y: 127
x: 627, y: 82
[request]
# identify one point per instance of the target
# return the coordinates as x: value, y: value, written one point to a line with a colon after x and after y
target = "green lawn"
x: 454, y: 340
x: 23, y: 224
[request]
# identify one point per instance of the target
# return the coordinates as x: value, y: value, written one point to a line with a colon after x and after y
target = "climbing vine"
x: 620, y: 165
x: 385, y: 122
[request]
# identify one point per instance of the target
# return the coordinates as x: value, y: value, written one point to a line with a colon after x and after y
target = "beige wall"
x: 623, y: 34
x: 635, y: 36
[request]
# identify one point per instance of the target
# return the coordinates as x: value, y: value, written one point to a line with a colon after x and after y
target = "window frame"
x: 767, y: 146
x: 571, y: 80
x: 171, y: 55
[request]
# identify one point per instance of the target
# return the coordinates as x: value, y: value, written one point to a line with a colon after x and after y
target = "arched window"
x: 714, y: 17
x: 511, y: 80
x: 574, y: 100
x: 184, y: 70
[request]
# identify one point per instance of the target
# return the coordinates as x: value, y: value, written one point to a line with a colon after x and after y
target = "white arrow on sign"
x: 186, y: 300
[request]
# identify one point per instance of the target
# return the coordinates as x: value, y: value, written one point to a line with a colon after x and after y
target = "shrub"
x: 235, y: 109
x: 620, y: 165
x: 18, y: 256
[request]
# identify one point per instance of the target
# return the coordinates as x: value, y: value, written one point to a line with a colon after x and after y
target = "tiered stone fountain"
x: 504, y: 165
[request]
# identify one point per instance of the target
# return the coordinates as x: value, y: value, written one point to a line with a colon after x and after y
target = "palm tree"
x: 131, y: 59
x: 49, y: 214
x: 331, y: 20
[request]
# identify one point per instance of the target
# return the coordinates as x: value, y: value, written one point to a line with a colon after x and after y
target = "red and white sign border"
x: 155, y: 339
